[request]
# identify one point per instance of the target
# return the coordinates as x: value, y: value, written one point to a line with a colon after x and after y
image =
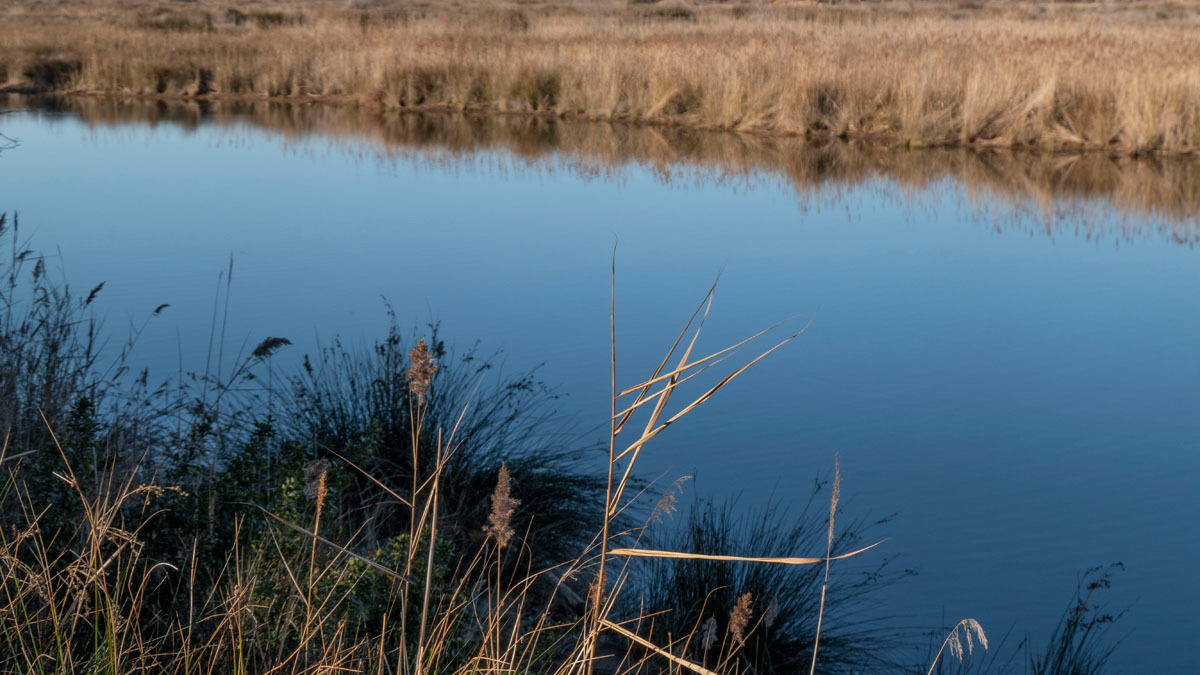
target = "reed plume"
x: 739, y: 618
x: 967, y: 631
x: 421, y: 370
x: 503, y: 507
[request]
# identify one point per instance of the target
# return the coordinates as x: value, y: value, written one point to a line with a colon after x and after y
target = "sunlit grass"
x: 934, y: 74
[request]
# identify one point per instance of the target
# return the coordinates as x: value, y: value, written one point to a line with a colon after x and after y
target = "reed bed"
x: 203, y: 536
x: 401, y: 522
x: 1118, y: 80
x: 91, y: 598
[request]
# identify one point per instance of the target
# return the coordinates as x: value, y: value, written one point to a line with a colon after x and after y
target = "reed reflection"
x: 1092, y: 195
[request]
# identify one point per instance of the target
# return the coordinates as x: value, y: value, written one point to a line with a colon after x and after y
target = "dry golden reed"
x: 1118, y: 80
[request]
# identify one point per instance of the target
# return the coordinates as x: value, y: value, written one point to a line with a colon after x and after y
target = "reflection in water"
x: 1075, y: 194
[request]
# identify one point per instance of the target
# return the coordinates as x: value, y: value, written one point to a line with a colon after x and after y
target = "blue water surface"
x: 1026, y: 403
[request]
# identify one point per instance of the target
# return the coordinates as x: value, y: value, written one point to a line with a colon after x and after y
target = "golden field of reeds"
x: 1119, y: 78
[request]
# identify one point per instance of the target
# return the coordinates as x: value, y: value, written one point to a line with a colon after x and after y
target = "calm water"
x: 1005, y: 351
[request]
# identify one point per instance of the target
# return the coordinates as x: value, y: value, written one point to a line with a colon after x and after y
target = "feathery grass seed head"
x: 771, y: 614
x: 971, y: 630
x: 503, y: 507
x: 739, y: 618
x: 421, y: 370
x: 708, y: 636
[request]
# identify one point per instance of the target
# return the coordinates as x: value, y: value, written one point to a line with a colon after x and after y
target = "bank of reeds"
x: 933, y: 74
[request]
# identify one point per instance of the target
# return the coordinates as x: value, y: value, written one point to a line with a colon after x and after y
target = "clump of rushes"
x: 375, y: 407
x: 320, y: 590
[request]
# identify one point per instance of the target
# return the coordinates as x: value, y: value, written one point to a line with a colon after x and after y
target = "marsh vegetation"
x: 392, y: 508
x: 1121, y: 79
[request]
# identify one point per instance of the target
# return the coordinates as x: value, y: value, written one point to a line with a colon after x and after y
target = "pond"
x: 1004, y: 349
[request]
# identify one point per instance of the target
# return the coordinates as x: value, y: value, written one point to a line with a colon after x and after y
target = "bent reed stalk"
x: 1121, y: 80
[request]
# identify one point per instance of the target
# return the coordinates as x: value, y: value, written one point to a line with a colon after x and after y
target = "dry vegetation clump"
x: 286, y: 564
x: 1124, y: 80
x: 199, y: 535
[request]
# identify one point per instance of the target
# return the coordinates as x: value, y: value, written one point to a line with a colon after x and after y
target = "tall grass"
x: 409, y: 523
x: 352, y: 561
x: 1001, y: 75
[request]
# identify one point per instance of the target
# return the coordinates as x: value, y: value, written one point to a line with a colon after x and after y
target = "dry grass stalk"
x: 968, y: 630
x: 650, y: 553
x: 695, y: 668
x: 833, y: 503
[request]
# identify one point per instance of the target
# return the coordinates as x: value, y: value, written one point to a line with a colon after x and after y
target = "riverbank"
x: 1122, y: 81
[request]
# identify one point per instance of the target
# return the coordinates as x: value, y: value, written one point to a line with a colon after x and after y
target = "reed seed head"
x: 421, y: 370
x: 833, y: 500
x: 668, y: 504
x: 708, y: 636
x: 503, y: 507
x: 771, y: 614
x: 266, y: 348
x: 739, y: 618
x: 322, y: 492
x: 971, y: 630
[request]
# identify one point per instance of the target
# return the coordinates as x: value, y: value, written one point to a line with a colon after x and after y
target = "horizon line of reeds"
x: 1060, y: 83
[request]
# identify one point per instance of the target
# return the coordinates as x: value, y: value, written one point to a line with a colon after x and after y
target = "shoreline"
x: 941, y: 74
x: 1157, y: 190
x: 882, y: 140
